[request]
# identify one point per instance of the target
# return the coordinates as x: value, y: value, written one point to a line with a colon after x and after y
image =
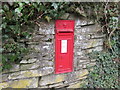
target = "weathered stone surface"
x: 92, y: 64
x: 32, y: 43
x: 46, y: 28
x: 83, y: 37
x: 56, y: 85
x: 99, y: 48
x: 76, y: 84
x: 97, y: 36
x: 16, y: 67
x: 29, y: 61
x: 29, y: 66
x: 82, y: 64
x: 25, y: 83
x: 88, y: 29
x: 30, y: 55
x: 51, y: 79
x: 79, y: 53
x: 37, y: 48
x: 78, y: 67
x: 80, y: 74
x: 83, y: 22
x: 43, y: 87
x: 80, y: 21
x: 47, y: 63
x: 37, y: 38
x: 3, y: 85
x: 83, y: 61
x: 65, y: 16
x: 76, y: 75
x: 91, y: 43
x: 3, y: 77
x: 92, y: 60
x: 31, y: 73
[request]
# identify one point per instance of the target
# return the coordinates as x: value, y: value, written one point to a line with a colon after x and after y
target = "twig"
x: 109, y: 40
x: 37, y: 23
x: 106, y: 15
x: 35, y: 19
x: 40, y: 16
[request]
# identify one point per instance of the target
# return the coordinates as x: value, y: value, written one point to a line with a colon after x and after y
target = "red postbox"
x: 64, y: 43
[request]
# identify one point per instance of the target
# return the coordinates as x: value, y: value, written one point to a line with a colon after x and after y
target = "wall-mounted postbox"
x: 64, y: 43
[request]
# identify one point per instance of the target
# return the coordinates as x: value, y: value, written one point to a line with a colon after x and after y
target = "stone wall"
x: 36, y: 70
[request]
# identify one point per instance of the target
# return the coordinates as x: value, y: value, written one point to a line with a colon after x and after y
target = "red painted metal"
x: 64, y: 44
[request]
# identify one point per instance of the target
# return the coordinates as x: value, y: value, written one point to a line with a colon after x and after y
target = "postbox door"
x: 64, y: 53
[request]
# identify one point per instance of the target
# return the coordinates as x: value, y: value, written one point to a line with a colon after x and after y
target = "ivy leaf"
x: 55, y: 6
x: 3, y: 25
x: 81, y: 12
x: 1, y: 50
x: 48, y: 18
x: 35, y: 5
x: 18, y: 10
x: 26, y: 1
x: 1, y: 11
x: 12, y: 58
x: 6, y: 7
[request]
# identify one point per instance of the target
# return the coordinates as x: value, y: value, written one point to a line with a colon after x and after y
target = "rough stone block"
x: 46, y: 28
x: 37, y: 38
x: 99, y: 48
x: 29, y: 61
x: 3, y: 85
x: 15, y: 67
x: 93, y: 43
x: 56, y: 85
x: 46, y: 63
x: 76, y: 84
x: 85, y: 44
x: 83, y: 37
x: 81, y: 74
x: 65, y: 16
x: 80, y: 21
x: 37, y: 48
x: 3, y: 77
x: 76, y: 75
x: 31, y: 73
x: 24, y: 83
x: 43, y: 87
x: 51, y: 79
x: 87, y: 30
x: 97, y: 35
x: 92, y: 64
x: 30, y: 55
x: 78, y: 67
x: 29, y: 66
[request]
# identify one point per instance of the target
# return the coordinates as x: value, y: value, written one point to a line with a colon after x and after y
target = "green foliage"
x: 17, y: 16
x: 105, y: 74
